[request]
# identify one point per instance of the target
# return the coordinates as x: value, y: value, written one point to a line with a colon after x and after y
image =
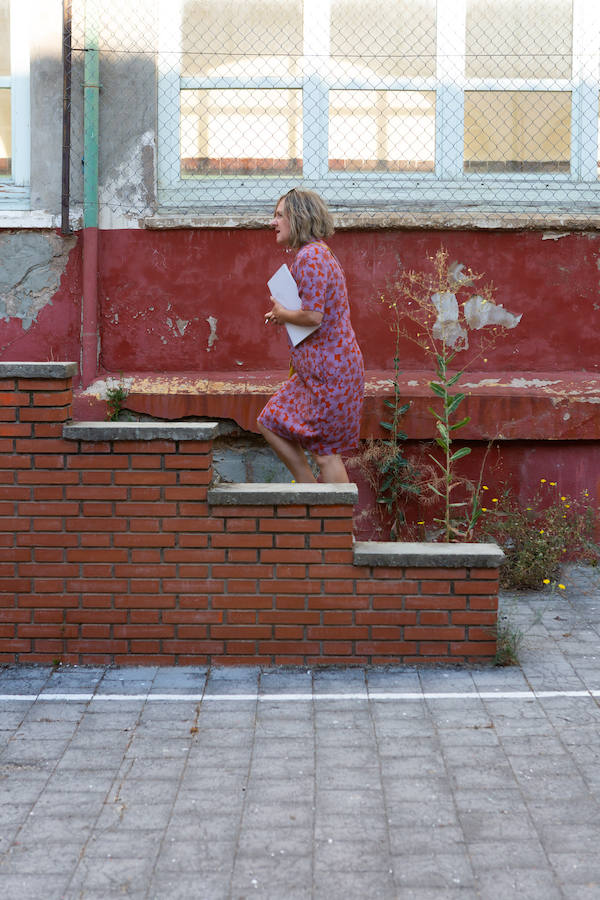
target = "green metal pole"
x: 91, y: 92
x: 91, y: 95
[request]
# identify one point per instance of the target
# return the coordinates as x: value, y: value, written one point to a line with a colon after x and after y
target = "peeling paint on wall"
x: 213, y: 336
x: 446, y: 326
x: 101, y: 387
x: 178, y: 326
x: 32, y: 266
x: 480, y: 312
x: 130, y: 186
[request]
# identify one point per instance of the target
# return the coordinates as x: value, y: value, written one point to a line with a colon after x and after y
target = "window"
x: 379, y: 102
x: 14, y: 104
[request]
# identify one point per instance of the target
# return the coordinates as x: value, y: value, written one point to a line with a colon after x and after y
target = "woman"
x: 319, y: 407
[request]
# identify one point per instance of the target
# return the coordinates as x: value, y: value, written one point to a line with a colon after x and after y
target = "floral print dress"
x: 320, y: 406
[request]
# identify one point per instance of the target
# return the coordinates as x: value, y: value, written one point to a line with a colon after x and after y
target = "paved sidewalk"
x: 183, y: 784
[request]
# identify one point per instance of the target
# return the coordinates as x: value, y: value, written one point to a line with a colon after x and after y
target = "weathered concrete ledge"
x: 38, y: 369
x: 538, y: 406
x: 282, y: 494
x: 388, y: 553
x: 140, y: 431
x: 474, y: 219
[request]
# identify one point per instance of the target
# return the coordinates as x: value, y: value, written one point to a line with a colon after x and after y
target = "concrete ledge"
x: 140, y: 431
x: 38, y: 369
x: 388, y: 553
x: 282, y: 494
x: 537, y: 406
x: 472, y: 219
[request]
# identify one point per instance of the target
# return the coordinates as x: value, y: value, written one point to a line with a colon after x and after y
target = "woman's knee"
x: 332, y: 468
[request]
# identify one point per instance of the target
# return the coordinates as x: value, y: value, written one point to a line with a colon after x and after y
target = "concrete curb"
x: 38, y: 369
x: 282, y: 494
x: 144, y: 431
x: 388, y: 553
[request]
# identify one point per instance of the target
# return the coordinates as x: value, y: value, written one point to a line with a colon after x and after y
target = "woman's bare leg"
x: 333, y: 470
x: 291, y: 454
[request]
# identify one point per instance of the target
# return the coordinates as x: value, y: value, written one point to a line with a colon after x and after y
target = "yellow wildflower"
x: 485, y: 487
x: 542, y: 531
x: 546, y: 581
x: 494, y: 499
x: 543, y: 480
x: 562, y: 587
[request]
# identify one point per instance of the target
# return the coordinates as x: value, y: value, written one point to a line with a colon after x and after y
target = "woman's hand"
x: 277, y: 315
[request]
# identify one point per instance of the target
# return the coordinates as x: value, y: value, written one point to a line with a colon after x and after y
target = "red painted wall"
x: 55, y: 332
x: 150, y: 277
x: 152, y: 283
x: 147, y: 278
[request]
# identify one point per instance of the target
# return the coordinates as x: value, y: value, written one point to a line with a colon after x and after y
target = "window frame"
x: 14, y: 189
x: 448, y: 183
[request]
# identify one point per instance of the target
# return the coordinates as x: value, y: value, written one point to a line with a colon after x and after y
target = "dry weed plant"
x: 445, y: 311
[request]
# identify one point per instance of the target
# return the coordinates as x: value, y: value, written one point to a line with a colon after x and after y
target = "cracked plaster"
x: 32, y: 266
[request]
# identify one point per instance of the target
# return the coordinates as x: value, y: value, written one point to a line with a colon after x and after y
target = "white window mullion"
x: 450, y: 106
x: 584, y: 118
x: 19, y: 86
x: 315, y: 92
x: 169, y: 94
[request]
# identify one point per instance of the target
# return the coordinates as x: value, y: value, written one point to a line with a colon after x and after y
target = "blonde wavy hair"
x: 309, y: 218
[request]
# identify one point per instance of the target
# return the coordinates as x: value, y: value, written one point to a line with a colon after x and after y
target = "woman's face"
x: 281, y: 224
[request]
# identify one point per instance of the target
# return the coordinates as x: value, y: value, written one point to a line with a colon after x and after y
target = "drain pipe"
x: 91, y: 92
x: 65, y: 227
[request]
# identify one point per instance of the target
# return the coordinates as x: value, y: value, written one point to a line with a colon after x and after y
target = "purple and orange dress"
x: 320, y: 406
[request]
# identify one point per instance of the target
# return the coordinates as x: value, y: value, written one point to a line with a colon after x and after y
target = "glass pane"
x: 517, y: 131
x: 241, y: 38
x: 382, y: 131
x: 519, y: 38
x: 378, y: 38
x: 4, y: 37
x: 5, y: 134
x: 233, y: 132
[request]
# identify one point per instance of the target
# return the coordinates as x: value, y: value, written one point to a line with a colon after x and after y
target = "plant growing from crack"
x: 116, y: 394
x: 437, y: 310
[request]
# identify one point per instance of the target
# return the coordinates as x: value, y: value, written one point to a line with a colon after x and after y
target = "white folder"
x: 285, y: 290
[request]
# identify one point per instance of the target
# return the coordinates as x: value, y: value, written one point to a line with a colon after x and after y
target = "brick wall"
x: 114, y: 549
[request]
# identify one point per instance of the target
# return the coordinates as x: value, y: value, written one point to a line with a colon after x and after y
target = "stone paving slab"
x: 390, y: 782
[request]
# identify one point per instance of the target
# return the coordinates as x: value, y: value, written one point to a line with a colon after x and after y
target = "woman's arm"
x: 279, y: 315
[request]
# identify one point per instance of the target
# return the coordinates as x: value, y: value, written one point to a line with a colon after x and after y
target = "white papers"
x: 285, y: 290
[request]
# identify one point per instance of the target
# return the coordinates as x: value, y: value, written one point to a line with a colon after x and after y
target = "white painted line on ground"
x: 296, y: 697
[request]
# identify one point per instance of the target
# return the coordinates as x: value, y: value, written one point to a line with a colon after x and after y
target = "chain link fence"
x: 220, y: 106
